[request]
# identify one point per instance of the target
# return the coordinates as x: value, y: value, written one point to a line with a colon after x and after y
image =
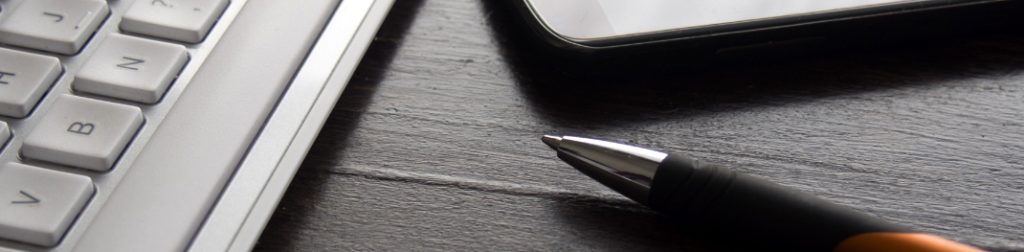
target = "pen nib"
x: 551, y: 141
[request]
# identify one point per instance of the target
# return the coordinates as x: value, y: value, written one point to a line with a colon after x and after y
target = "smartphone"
x: 723, y: 28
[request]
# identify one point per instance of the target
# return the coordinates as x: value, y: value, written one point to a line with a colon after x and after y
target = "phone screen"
x: 637, y: 16
x: 597, y: 20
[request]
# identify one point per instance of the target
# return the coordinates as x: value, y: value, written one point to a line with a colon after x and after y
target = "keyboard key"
x: 83, y: 132
x: 24, y: 78
x: 181, y: 20
x: 59, y: 26
x: 131, y: 68
x: 37, y: 205
x: 5, y: 134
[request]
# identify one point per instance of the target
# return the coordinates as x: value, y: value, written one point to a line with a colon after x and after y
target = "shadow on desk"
x: 308, y: 187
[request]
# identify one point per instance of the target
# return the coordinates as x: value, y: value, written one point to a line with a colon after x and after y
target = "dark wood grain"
x: 435, y: 142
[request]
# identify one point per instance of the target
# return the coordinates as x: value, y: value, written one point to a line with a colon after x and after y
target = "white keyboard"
x: 163, y: 125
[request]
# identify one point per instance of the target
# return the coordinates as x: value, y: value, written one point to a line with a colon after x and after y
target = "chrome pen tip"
x: 551, y: 141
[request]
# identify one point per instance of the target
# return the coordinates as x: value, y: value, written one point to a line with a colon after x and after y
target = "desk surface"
x: 435, y: 144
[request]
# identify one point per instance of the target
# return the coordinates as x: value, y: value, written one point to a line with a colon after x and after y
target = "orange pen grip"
x: 902, y: 242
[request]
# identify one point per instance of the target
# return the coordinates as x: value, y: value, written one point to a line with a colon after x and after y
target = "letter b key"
x: 83, y: 132
x: 82, y: 128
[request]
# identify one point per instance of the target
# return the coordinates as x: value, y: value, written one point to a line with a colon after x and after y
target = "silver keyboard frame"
x: 244, y: 208
x: 249, y: 199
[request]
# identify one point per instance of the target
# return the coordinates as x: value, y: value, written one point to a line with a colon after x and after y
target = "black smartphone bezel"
x: 822, y: 34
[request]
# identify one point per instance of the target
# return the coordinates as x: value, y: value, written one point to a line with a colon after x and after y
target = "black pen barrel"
x: 715, y: 201
x: 744, y: 210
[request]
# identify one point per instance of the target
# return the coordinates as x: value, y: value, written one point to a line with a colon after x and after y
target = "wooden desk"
x: 435, y: 144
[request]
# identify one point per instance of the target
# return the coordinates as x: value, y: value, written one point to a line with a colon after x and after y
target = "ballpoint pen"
x: 714, y: 201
